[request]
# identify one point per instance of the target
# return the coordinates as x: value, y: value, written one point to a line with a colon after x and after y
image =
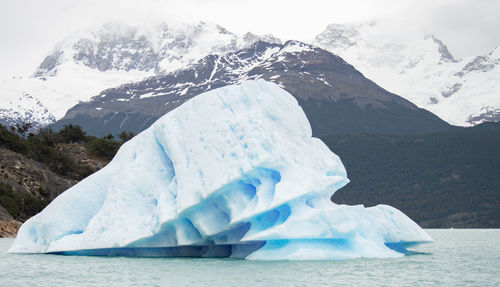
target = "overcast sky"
x: 30, y: 28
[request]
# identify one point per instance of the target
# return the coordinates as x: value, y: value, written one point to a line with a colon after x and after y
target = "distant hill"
x: 448, y: 179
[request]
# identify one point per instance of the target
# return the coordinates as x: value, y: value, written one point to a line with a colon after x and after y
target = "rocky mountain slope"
x: 34, y: 171
x: 90, y: 61
x: 335, y: 96
x: 8, y: 225
x: 406, y: 60
x: 26, y: 186
x: 26, y: 175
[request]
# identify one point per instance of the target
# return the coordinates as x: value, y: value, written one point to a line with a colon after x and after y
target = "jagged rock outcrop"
x: 25, y: 175
x: 8, y: 226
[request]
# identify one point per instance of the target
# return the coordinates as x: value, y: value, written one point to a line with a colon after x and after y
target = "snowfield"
x: 406, y: 60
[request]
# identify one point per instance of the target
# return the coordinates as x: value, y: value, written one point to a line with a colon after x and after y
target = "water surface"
x: 458, y: 257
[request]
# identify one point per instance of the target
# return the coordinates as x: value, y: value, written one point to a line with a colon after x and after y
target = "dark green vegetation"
x: 109, y: 124
x: 20, y: 206
x: 345, y: 116
x: 448, y: 179
x: 44, y: 147
x: 41, y: 147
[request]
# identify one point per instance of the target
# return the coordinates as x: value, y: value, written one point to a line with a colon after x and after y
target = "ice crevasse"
x: 233, y: 172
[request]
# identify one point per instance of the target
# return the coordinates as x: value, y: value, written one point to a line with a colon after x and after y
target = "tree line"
x: 42, y: 146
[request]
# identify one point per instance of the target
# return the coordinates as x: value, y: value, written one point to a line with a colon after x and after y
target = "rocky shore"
x: 8, y: 225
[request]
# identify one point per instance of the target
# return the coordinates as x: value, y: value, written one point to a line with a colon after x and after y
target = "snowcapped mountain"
x: 162, y: 48
x: 335, y: 97
x: 404, y: 59
x: 90, y: 61
x: 25, y: 109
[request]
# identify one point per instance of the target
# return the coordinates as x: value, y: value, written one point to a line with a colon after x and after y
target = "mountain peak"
x: 26, y: 109
x: 160, y: 48
x: 250, y: 38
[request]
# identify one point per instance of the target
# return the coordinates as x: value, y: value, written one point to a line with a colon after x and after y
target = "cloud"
x: 30, y: 28
x: 467, y: 27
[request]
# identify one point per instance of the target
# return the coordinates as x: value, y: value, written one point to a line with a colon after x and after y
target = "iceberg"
x: 233, y: 172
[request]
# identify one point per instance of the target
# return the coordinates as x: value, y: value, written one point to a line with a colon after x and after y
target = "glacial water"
x: 458, y: 257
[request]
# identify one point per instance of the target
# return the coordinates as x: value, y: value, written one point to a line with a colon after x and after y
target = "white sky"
x: 29, y: 29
